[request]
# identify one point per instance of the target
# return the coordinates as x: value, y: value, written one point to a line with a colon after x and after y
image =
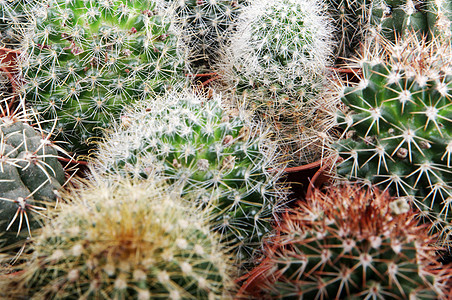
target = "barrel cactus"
x: 349, y: 243
x: 30, y: 177
x: 122, y: 240
x: 276, y: 63
x: 225, y: 161
x: 84, y: 60
x: 397, y: 126
x: 204, y: 27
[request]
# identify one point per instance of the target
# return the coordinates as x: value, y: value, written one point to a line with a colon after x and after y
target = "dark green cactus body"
x: 220, y: 159
x: 30, y: 176
x: 398, y: 124
x: 86, y: 59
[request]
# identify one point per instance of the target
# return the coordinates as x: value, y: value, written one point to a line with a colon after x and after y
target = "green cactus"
x: 349, y: 243
x: 221, y: 159
x: 277, y: 65
x: 30, y: 176
x: 122, y: 240
x: 85, y: 60
x: 204, y: 27
x: 397, y: 123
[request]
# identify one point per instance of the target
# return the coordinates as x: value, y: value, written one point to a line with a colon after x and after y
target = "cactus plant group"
x: 349, y: 243
x: 84, y: 60
x: 123, y: 240
x: 397, y: 125
x: 222, y: 159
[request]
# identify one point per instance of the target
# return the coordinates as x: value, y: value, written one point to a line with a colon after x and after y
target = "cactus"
x: 277, y: 64
x: 397, y: 125
x: 122, y: 240
x: 30, y: 176
x: 204, y: 27
x: 86, y: 59
x: 349, y: 243
x: 222, y: 159
x: 13, y: 17
x: 361, y: 21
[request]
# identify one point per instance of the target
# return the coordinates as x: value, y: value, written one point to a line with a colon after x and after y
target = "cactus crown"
x: 397, y: 125
x: 123, y: 240
x: 350, y: 243
x: 85, y: 60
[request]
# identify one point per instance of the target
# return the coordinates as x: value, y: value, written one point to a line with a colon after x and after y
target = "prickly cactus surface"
x: 349, y: 243
x: 30, y: 177
x: 122, y: 240
x: 225, y: 161
x: 85, y: 60
x: 397, y: 126
x: 205, y: 27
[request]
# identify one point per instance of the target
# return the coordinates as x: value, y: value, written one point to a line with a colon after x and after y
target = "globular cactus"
x: 349, y: 243
x: 122, y: 240
x: 225, y: 161
x: 397, y: 125
x: 276, y: 63
x: 85, y: 60
x: 30, y: 176
x: 205, y: 27
x: 13, y: 17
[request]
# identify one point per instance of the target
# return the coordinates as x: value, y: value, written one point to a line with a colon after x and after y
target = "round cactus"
x: 84, y: 60
x: 204, y: 27
x: 30, y: 176
x: 122, y: 240
x: 221, y: 159
x: 349, y: 243
x: 397, y: 125
x: 277, y: 65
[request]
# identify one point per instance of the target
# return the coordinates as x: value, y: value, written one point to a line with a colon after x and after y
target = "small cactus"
x: 349, y: 243
x: 30, y: 176
x: 222, y: 159
x: 276, y: 64
x: 85, y: 60
x: 397, y: 125
x: 122, y: 240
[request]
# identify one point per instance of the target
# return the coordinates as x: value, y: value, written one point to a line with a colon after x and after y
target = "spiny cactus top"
x: 397, y: 123
x: 350, y: 243
x: 221, y: 159
x: 30, y: 176
x: 205, y: 27
x: 85, y: 59
x: 123, y: 240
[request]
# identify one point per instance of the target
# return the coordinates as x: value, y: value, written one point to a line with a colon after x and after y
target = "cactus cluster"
x: 220, y: 158
x: 349, y: 243
x: 276, y: 64
x: 122, y: 240
x: 30, y: 176
x: 397, y: 125
x: 205, y: 27
x: 84, y: 60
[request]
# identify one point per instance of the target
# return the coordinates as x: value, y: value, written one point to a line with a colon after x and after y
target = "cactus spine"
x: 85, y: 60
